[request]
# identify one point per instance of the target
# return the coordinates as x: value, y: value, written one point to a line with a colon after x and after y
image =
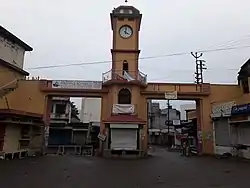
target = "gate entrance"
x: 124, y: 91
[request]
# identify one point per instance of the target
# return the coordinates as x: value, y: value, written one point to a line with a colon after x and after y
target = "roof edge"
x: 20, y: 112
x: 8, y: 35
x: 13, y: 67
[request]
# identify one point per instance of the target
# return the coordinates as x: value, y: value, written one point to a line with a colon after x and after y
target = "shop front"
x: 221, y: 127
x: 240, y: 130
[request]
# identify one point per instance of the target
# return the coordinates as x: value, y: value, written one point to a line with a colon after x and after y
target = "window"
x: 125, y: 66
x: 245, y: 85
x: 25, y: 131
x: 60, y: 108
x: 124, y: 96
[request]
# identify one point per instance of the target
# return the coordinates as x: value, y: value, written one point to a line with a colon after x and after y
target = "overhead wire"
x: 140, y: 58
x: 229, y: 44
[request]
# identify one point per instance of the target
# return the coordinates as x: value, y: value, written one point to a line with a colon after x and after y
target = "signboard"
x: 76, y: 84
x: 101, y: 137
x: 176, y: 122
x: 171, y: 95
x: 222, y: 109
x: 241, y: 109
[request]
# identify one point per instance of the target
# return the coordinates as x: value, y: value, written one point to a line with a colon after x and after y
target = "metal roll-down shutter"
x: 222, y: 134
x: 123, y: 139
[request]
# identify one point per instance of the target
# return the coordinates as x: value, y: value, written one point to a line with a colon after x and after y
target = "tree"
x: 74, y: 111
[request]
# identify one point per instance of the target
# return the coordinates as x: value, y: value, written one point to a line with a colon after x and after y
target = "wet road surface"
x: 165, y: 169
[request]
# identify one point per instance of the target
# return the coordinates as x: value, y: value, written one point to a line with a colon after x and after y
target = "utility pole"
x: 168, y: 123
x: 199, y: 67
x: 168, y: 116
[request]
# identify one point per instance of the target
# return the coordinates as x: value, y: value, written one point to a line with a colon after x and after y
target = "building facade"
x: 124, y: 91
x: 223, y: 131
x: 185, y: 107
x: 21, y: 131
x: 159, y: 128
x: 60, y: 129
x: 90, y: 110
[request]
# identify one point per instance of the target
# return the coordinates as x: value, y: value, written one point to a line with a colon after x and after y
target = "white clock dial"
x: 126, y: 31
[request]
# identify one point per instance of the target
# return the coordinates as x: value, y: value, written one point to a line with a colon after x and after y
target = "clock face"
x: 126, y: 31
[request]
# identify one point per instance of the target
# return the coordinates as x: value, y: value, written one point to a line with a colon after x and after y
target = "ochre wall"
x: 243, y: 99
x: 224, y: 93
x: 7, y: 75
x: 203, y: 108
x: 118, y: 59
x: 227, y: 93
x: 180, y: 87
x: 127, y: 44
x: 131, y: 43
x: 27, y: 97
x: 218, y: 94
x: 139, y: 101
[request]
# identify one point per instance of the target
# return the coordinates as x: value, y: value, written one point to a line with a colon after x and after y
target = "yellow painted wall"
x: 131, y: 58
x: 7, y: 75
x: 27, y: 97
x: 224, y: 93
x: 126, y: 44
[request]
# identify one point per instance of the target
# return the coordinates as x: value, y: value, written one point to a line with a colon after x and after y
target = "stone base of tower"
x: 124, y: 138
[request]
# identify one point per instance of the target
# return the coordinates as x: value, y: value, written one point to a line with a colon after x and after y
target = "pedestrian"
x: 187, y: 149
x: 184, y: 145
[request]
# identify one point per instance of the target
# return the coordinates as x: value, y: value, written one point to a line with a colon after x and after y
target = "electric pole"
x: 168, y: 123
x: 168, y: 105
x: 199, y: 67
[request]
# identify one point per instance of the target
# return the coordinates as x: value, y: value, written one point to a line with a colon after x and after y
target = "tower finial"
x: 126, y: 1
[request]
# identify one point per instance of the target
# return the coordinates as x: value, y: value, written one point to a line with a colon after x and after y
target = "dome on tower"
x: 126, y: 11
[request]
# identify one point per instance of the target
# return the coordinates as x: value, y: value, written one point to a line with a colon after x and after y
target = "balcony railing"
x: 124, y: 109
x: 124, y: 75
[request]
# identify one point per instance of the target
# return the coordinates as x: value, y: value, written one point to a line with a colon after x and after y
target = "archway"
x: 124, y: 96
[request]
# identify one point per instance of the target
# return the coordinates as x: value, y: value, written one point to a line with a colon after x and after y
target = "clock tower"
x: 124, y: 110
x: 125, y: 23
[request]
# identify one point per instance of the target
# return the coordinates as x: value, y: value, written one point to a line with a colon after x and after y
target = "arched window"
x: 124, y: 96
x: 125, y: 66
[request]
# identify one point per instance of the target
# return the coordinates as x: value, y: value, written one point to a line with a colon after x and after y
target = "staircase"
x: 7, y: 88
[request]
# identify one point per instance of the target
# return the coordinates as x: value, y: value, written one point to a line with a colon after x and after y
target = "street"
x: 164, y: 169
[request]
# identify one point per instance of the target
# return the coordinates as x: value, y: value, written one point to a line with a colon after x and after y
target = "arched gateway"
x: 124, y: 91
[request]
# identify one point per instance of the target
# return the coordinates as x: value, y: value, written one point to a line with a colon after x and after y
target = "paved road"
x: 165, y: 169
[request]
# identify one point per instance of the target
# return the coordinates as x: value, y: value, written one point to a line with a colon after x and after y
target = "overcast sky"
x: 78, y: 31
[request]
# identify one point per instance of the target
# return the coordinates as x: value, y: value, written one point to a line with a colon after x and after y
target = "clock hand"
x: 126, y: 29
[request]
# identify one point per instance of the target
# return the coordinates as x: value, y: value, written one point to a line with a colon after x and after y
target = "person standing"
x: 184, y: 145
